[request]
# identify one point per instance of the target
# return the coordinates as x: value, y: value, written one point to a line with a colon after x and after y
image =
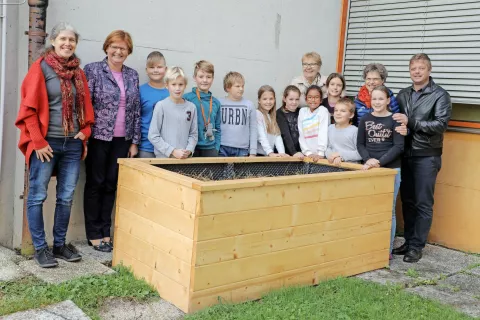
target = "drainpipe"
x: 36, y: 44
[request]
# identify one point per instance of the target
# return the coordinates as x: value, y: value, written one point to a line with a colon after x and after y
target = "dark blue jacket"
x: 361, y: 108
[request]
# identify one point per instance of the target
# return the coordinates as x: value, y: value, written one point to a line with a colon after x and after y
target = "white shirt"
x: 266, y: 141
x: 313, y: 130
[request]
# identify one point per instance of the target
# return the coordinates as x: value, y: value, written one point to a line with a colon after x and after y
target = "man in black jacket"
x: 425, y: 110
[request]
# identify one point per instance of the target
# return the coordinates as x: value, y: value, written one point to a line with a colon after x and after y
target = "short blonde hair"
x: 205, y: 66
x: 348, y: 103
x: 421, y: 57
x: 118, y: 35
x: 154, y: 58
x: 230, y: 78
x: 313, y: 55
x: 173, y: 73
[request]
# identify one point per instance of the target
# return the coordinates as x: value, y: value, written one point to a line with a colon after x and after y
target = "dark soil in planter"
x: 231, y: 171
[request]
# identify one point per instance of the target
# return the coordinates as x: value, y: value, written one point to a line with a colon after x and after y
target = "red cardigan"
x: 34, y: 114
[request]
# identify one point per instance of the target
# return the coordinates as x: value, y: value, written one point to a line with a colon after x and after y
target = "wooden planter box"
x: 201, y: 242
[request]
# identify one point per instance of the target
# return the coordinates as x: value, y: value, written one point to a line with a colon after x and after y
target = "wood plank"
x: 209, y: 160
x: 287, y: 180
x: 215, y: 202
x: 154, y: 257
x: 271, y: 218
x: 171, y: 291
x: 139, y: 269
x: 168, y: 192
x: 174, y: 243
x: 232, y: 248
x: 254, y: 289
x: 173, y: 218
x: 456, y: 218
x: 222, y: 273
x: 146, y: 167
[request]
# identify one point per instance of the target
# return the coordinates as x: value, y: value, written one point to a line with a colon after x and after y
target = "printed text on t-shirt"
x: 377, y: 132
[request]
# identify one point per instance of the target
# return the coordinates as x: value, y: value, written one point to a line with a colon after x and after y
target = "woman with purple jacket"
x: 115, y: 134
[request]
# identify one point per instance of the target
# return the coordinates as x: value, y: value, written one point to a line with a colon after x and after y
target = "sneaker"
x: 45, y: 258
x: 103, y: 247
x: 67, y: 253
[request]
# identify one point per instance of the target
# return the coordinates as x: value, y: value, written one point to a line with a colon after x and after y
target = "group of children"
x: 179, y: 125
x: 197, y: 124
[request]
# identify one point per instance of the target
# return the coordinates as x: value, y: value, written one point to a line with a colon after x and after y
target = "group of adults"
x: 62, y: 107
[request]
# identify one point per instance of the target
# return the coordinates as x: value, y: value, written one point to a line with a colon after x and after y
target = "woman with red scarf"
x: 54, y: 120
x: 374, y: 75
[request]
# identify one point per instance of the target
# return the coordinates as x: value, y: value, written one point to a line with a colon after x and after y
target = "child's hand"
x: 332, y: 157
x: 186, y: 154
x: 299, y: 155
x: 274, y: 155
x: 284, y: 155
x: 402, y: 130
x: 315, y: 157
x: 252, y: 155
x: 337, y: 161
x: 178, y: 154
x: 372, y: 163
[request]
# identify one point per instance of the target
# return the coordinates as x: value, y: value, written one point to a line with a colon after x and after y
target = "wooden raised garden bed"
x: 206, y: 230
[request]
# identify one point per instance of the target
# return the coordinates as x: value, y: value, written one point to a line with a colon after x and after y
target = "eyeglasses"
x: 373, y: 79
x: 115, y: 48
x: 309, y: 65
x: 313, y: 97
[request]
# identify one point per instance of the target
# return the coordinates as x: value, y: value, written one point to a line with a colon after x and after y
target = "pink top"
x: 119, y: 129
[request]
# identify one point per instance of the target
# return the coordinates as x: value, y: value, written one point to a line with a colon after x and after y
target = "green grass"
x: 88, y: 293
x: 342, y: 298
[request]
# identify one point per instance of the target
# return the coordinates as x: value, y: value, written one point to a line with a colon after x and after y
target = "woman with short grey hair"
x: 374, y: 74
x: 54, y: 119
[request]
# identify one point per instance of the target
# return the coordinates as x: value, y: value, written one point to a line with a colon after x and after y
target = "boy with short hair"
x: 150, y: 93
x: 208, y: 110
x: 238, y: 123
x: 174, y: 131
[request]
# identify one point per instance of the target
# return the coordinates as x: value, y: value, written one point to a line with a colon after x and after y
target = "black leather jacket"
x: 427, y: 119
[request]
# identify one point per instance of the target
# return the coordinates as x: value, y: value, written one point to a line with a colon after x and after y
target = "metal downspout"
x: 36, y: 45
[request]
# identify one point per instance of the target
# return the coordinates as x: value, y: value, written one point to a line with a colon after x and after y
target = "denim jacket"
x: 105, y: 95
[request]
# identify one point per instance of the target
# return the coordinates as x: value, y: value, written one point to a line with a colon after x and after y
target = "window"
x: 391, y: 31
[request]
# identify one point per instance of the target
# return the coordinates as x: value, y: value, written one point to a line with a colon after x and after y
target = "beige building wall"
x: 264, y: 40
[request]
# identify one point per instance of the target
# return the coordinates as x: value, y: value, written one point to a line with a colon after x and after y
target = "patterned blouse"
x: 105, y: 94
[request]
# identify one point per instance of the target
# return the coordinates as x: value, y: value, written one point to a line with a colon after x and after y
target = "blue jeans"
x: 396, y: 187
x: 67, y: 153
x: 233, y: 152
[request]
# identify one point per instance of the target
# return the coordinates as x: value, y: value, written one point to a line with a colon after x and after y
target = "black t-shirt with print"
x: 378, y: 139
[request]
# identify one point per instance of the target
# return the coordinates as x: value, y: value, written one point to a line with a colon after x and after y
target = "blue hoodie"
x: 362, y: 109
x: 215, y: 118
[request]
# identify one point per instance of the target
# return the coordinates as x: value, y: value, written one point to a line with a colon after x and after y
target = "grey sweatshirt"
x: 173, y: 126
x: 343, y: 141
x: 239, y: 124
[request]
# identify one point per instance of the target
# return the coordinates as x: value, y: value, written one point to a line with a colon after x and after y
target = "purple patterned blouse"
x: 106, y: 97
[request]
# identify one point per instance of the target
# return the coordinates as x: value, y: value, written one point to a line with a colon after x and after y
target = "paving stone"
x: 66, y: 310
x: 66, y: 270
x: 436, y: 261
x: 125, y: 309
x: 460, y: 301
x: 475, y: 271
x: 86, y: 250
x: 9, y: 268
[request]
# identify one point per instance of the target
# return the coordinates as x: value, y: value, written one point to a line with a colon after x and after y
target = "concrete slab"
x: 125, y: 309
x: 9, y: 268
x: 475, y: 271
x: 101, y: 257
x: 436, y: 261
x: 463, y: 303
x: 66, y: 270
x: 66, y: 310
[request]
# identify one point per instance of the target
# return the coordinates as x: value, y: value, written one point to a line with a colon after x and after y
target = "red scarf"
x: 68, y: 71
x: 364, y: 96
